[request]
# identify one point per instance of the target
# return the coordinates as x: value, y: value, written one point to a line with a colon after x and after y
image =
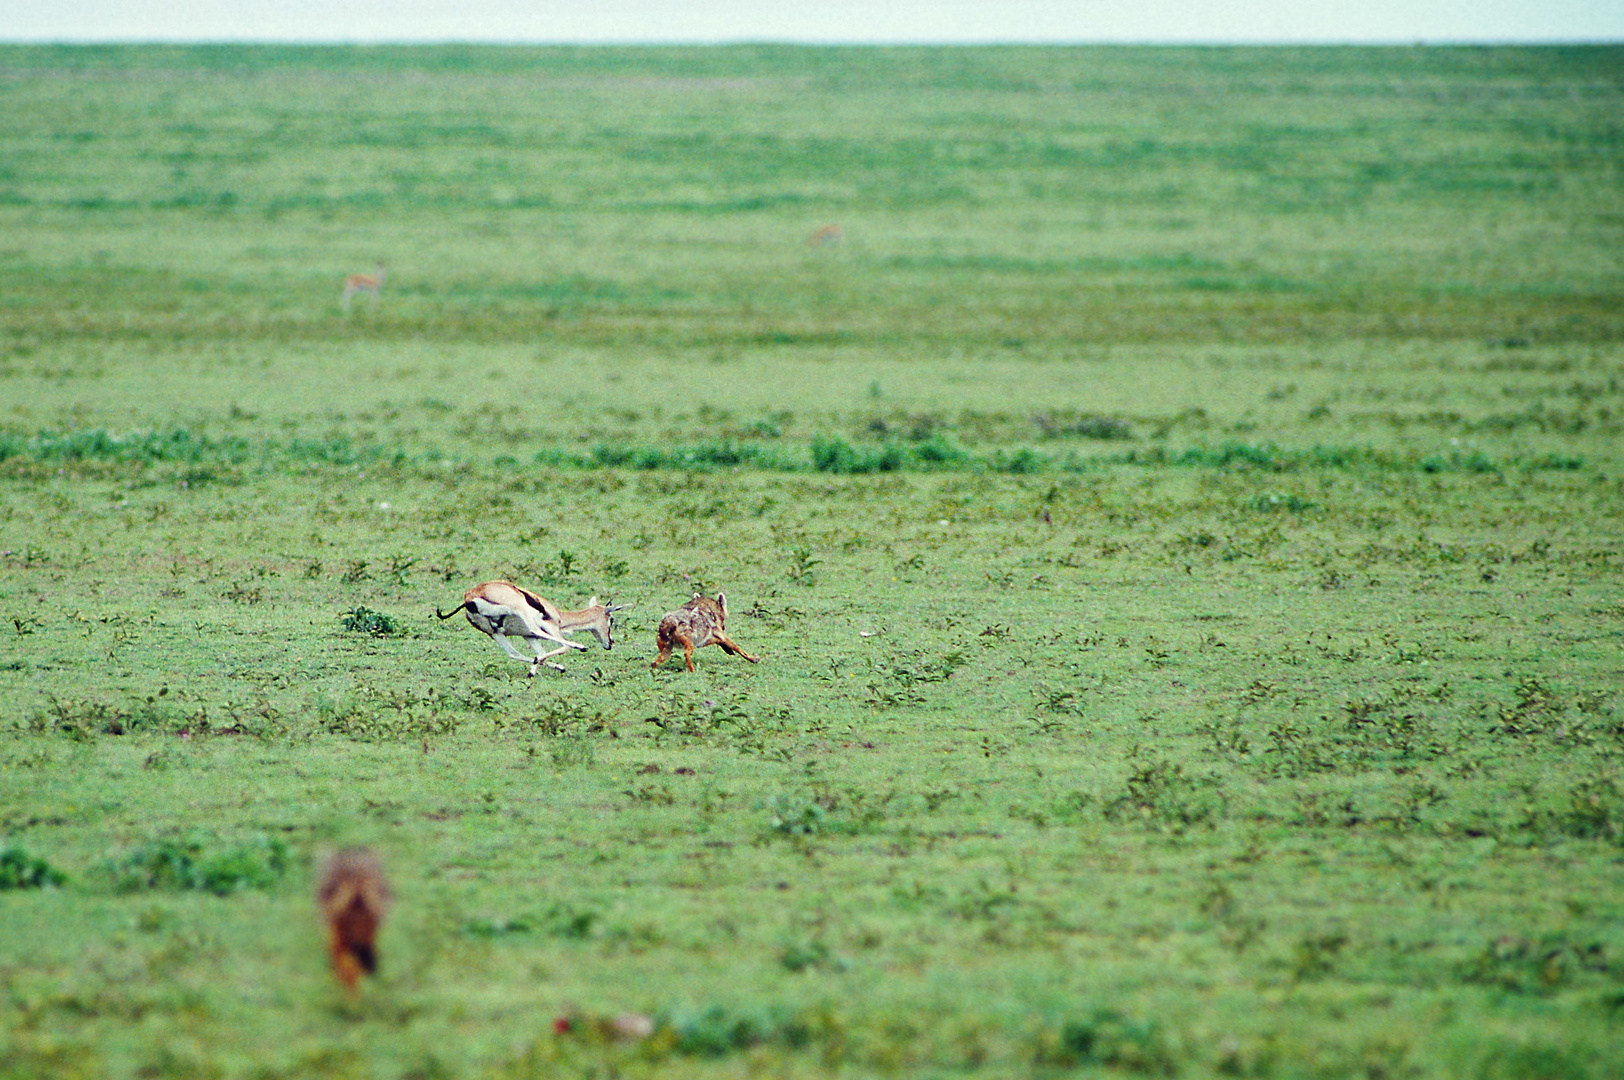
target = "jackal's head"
x: 716, y: 609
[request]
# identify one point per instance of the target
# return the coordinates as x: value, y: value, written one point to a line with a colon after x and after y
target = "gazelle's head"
x: 603, y: 629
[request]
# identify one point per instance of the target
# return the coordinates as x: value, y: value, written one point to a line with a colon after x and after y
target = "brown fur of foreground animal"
x: 354, y: 896
x: 699, y: 622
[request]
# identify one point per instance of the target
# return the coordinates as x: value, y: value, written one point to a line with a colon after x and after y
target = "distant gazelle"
x: 827, y: 236
x: 371, y: 284
x: 502, y: 610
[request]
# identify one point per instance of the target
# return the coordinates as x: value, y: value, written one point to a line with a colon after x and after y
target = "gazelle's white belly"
x: 498, y: 619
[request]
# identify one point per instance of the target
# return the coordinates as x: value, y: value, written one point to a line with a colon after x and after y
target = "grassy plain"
x: 1180, y: 524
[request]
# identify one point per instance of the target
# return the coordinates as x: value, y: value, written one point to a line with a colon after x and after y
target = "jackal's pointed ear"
x: 592, y: 602
x: 721, y: 602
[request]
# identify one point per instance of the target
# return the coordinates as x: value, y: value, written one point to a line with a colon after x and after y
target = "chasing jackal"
x: 699, y: 622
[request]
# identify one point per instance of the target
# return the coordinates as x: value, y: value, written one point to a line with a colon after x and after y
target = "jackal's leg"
x: 350, y: 935
x: 345, y: 966
x: 731, y: 647
x: 664, y: 641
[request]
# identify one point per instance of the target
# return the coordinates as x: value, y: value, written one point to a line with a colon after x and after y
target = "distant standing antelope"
x: 502, y: 610
x: 372, y: 284
x: 827, y: 236
x: 694, y: 625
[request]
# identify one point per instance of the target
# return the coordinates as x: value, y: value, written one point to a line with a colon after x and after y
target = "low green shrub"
x: 363, y: 620
x: 184, y: 864
x: 20, y: 870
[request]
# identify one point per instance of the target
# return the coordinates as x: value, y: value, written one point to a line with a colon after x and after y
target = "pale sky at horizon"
x: 814, y: 22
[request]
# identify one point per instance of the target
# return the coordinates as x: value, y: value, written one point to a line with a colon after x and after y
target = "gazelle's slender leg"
x: 563, y: 643
x: 535, y: 643
x: 507, y: 647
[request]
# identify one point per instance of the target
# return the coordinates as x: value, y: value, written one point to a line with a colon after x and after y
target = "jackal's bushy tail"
x: 354, y: 896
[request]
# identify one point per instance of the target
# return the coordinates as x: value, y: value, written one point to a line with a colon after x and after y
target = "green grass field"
x: 1180, y: 523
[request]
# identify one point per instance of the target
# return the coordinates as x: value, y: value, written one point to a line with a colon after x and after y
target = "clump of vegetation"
x: 802, y: 565
x: 716, y: 1030
x: 790, y: 815
x: 1105, y: 1037
x: 559, y: 920
x: 1160, y: 793
x: 370, y: 714
x: 564, y: 715
x: 1084, y: 426
x: 83, y: 718
x: 832, y: 454
x: 184, y: 864
x: 20, y: 870
x: 1274, y: 501
x: 1593, y: 810
x: 99, y: 444
x: 363, y: 620
x: 1544, y: 966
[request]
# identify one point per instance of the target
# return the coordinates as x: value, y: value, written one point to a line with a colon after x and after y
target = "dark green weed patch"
x: 195, y: 460
x: 364, y: 620
x: 185, y: 864
x: 20, y: 870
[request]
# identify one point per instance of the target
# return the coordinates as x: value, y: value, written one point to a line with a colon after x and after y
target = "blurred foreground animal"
x: 502, y: 610
x: 699, y: 622
x: 354, y: 897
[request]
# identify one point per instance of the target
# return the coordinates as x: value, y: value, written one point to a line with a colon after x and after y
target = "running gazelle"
x: 502, y: 610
